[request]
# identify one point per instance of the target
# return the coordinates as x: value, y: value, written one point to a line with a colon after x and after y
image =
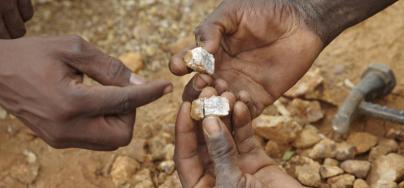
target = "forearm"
x: 331, y: 17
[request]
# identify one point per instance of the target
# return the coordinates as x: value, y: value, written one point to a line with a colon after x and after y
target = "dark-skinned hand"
x: 261, y: 46
x: 41, y: 83
x: 207, y: 155
x: 13, y: 15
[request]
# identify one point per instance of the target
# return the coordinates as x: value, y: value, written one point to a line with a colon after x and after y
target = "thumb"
x: 222, y: 151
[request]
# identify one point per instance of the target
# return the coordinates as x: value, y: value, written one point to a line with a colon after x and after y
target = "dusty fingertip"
x: 211, y: 126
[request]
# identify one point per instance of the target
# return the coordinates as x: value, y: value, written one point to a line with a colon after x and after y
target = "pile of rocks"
x: 361, y: 160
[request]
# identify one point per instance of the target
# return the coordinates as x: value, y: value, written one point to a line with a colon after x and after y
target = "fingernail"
x: 168, y: 89
x: 211, y: 126
x: 136, y: 79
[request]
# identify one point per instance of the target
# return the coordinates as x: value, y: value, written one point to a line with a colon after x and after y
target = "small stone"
x: 305, y: 111
x: 341, y: 181
x: 324, y: 149
x: 345, y: 151
x: 330, y: 171
x: 272, y: 149
x: 217, y: 106
x: 26, y: 173
x: 384, y: 147
x: 134, y: 61
x: 169, y: 151
x: 388, y: 168
x: 396, y: 133
x: 167, y: 167
x: 200, y: 60
x: 358, y: 168
x: 330, y: 162
x: 123, y: 169
x: 157, y: 145
x: 306, y: 171
x: 307, y: 138
x: 360, y: 183
x: 362, y: 141
x: 280, y: 129
x: 307, y: 84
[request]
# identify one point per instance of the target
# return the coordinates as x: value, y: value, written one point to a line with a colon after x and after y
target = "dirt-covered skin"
x: 117, y: 27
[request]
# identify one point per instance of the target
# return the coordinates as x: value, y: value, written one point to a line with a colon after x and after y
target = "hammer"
x: 377, y: 81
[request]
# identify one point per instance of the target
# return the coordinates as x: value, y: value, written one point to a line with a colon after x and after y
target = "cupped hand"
x: 41, y: 83
x: 261, y: 46
x: 13, y: 15
x: 207, y: 155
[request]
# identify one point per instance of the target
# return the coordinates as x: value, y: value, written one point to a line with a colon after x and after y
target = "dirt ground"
x: 156, y: 28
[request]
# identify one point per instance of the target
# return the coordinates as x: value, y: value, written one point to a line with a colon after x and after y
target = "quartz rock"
x: 345, y: 151
x: 358, y: 168
x: 324, y: 149
x: 330, y: 162
x: 305, y: 111
x: 384, y: 147
x: 281, y: 129
x: 200, y: 60
x: 360, y: 183
x: 330, y: 171
x: 386, y: 169
x: 217, y: 106
x: 167, y: 167
x: 306, y: 171
x: 341, y: 181
x: 307, y: 138
x: 362, y: 141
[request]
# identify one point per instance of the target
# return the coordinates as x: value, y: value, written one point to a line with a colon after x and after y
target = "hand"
x: 260, y: 46
x: 41, y: 83
x: 213, y: 158
x: 13, y: 14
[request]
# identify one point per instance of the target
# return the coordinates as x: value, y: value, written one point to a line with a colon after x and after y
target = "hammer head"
x: 386, y: 76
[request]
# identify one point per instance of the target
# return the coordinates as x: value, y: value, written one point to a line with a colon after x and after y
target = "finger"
x: 245, y: 97
x: 14, y: 23
x: 221, y: 85
x: 102, y: 100
x: 232, y: 100
x: 209, y: 36
x: 195, y: 86
x: 208, y: 92
x: 244, y: 134
x: 222, y: 151
x: 26, y: 9
x: 89, y: 60
x: 3, y: 30
x: 188, y: 163
x: 177, y: 65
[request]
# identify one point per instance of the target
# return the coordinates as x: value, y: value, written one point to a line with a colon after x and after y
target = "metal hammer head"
x: 377, y: 81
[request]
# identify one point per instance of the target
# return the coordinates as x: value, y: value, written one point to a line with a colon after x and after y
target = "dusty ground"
x: 153, y: 29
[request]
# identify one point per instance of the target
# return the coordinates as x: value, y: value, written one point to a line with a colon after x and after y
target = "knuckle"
x: 116, y: 70
x: 76, y: 44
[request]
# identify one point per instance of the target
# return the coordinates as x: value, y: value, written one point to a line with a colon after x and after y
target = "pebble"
x: 360, y: 183
x: 306, y: 171
x: 384, y: 147
x: 362, y: 141
x: 280, y: 129
x: 359, y: 169
x: 330, y: 171
x: 142, y: 179
x: 305, y: 111
x: 345, y: 151
x: 341, y: 181
x: 167, y: 167
x: 307, y: 84
x: 386, y: 169
x: 307, y: 138
x: 324, y: 149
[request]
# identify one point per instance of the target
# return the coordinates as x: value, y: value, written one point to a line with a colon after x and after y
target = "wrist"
x: 329, y: 18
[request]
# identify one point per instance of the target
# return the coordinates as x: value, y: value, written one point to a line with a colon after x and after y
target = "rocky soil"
x: 295, y: 130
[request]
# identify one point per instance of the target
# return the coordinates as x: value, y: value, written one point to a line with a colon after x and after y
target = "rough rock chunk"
x: 134, y: 61
x: 324, y: 149
x: 341, y: 181
x: 360, y: 183
x: 384, y: 147
x: 330, y: 171
x: 305, y: 111
x: 306, y: 171
x: 307, y: 84
x: 217, y: 106
x: 280, y: 129
x: 358, y: 168
x: 142, y: 179
x: 200, y: 60
x: 345, y: 151
x: 167, y: 167
x: 362, y: 141
x: 157, y: 145
x: 386, y: 169
x: 396, y: 133
x: 307, y: 138
x: 330, y: 162
x: 123, y: 169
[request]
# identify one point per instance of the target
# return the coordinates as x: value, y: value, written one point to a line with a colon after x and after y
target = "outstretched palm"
x: 263, y: 47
